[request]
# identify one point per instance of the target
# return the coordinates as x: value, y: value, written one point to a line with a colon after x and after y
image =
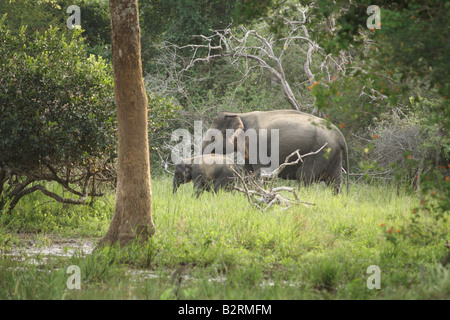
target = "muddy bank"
x: 45, y: 246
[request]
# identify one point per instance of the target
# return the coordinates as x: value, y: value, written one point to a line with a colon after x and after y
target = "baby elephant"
x: 212, y: 170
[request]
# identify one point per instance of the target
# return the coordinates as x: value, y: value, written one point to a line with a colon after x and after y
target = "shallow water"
x: 39, y: 251
x: 34, y: 250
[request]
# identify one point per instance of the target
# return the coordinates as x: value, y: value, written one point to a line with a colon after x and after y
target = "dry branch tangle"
x: 267, y: 52
x: 263, y: 198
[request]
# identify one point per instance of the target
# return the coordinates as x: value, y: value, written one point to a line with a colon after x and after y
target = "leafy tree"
x: 177, y: 21
x: 95, y: 21
x: 409, y: 47
x: 35, y: 15
x: 407, y: 58
x: 40, y: 15
x: 57, y: 119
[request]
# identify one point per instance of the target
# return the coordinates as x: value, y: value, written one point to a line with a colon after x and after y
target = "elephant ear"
x: 234, y: 122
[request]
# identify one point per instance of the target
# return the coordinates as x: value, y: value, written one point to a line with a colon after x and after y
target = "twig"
x: 272, y: 196
x: 165, y: 164
x: 277, y: 171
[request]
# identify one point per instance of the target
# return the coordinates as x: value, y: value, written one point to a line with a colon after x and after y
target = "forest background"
x: 385, y: 87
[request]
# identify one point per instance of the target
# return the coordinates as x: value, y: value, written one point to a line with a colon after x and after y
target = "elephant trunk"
x: 176, y: 184
x: 205, y: 143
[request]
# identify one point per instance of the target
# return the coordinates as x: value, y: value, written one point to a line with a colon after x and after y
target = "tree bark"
x: 132, y: 214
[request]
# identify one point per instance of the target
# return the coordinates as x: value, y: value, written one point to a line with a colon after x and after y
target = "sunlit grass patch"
x: 222, y: 247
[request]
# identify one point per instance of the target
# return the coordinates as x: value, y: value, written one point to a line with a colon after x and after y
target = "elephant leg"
x: 334, y: 177
x: 217, y: 186
x: 308, y: 172
x: 334, y: 180
x: 198, y: 192
x: 335, y: 184
x: 219, y: 183
x: 199, y: 187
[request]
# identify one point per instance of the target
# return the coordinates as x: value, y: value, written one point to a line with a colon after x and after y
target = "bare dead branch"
x: 245, y: 190
x: 165, y: 163
x: 263, y: 198
x: 272, y: 175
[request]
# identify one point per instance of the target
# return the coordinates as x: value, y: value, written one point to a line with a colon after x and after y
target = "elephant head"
x: 226, y: 135
x: 183, y: 174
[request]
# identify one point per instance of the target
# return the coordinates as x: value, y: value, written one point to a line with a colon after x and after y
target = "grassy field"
x: 220, y: 247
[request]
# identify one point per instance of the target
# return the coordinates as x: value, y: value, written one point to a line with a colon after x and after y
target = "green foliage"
x: 177, y: 21
x: 37, y: 214
x: 404, y: 70
x: 414, y: 37
x: 35, y: 15
x: 218, y: 86
x: 56, y: 104
x: 247, y: 10
x: 56, y: 107
x: 419, y: 161
x: 411, y: 38
x: 41, y: 15
x: 95, y: 21
x: 164, y: 116
x: 161, y: 111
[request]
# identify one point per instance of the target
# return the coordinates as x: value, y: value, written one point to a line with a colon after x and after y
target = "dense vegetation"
x: 386, y: 88
x: 57, y: 116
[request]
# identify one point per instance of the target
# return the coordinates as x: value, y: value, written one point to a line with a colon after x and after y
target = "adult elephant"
x: 284, y: 131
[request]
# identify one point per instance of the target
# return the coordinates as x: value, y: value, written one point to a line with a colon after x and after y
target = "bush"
x: 402, y: 145
x: 57, y: 119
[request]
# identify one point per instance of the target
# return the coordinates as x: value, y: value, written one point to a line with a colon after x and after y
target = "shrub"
x: 57, y: 119
x: 401, y: 146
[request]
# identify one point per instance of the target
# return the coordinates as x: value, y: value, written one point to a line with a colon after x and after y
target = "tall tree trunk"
x: 132, y: 214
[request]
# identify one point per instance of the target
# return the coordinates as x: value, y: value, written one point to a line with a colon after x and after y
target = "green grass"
x: 223, y: 248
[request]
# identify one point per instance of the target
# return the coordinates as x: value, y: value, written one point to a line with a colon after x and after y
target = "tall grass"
x: 221, y: 247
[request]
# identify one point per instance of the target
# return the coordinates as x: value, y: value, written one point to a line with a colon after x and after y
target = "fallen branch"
x: 246, y: 191
x: 277, y: 171
x: 263, y: 198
